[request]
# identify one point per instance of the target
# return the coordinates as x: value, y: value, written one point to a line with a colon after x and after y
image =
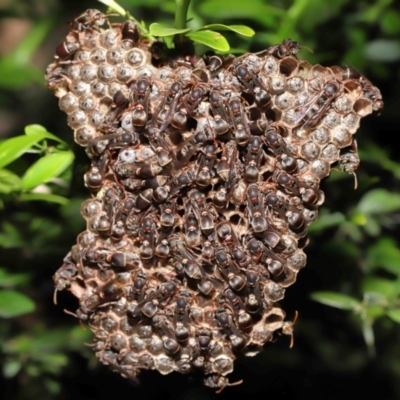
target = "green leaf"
x: 379, y: 201
x: 337, y: 300
x: 11, y: 368
x: 36, y: 129
x: 52, y: 386
x: 114, y: 6
x: 384, y: 254
x: 326, y: 221
x: 15, y: 76
x: 383, y: 50
x: 211, y: 39
x: 9, y: 182
x: 51, y: 198
x: 10, y: 237
x: 13, y: 148
x: 383, y: 287
x: 13, y: 304
x: 376, y: 154
x: 394, y: 315
x: 12, y: 279
x: 160, y: 30
x: 240, y: 29
x: 46, y: 168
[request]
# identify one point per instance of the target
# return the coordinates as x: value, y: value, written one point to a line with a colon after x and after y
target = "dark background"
x: 353, y: 248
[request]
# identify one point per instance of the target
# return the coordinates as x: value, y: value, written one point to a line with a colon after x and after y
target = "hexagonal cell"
x: 109, y: 38
x: 109, y: 324
x: 88, y: 73
x: 83, y: 135
x: 118, y: 342
x: 342, y: 137
x: 77, y: 119
x: 304, y: 69
x: 283, y: 101
x: 297, y: 260
x: 351, y: 122
x: 68, y: 103
x: 363, y: 107
x: 330, y: 153
x: 73, y: 72
x: 154, y: 345
x: 301, y: 99
x: 135, y: 57
x: 332, y: 119
x: 270, y: 66
x: 87, y: 103
x: 106, y: 73
x: 321, y: 135
x: 273, y: 291
x: 80, y: 88
x: 99, y: 89
x: 136, y: 344
x: 146, y: 361
x: 320, y: 168
x: 164, y: 364
x: 288, y: 66
x: 222, y: 365
x: 274, y: 319
x: 295, y: 84
x: 289, y: 117
x: 277, y: 84
x: 310, y: 151
x: 98, y: 56
x: 82, y: 56
x: 310, y: 215
x: 343, y: 105
x: 115, y: 56
x: 96, y: 118
x: 310, y: 180
x: 353, y: 87
x: 125, y: 73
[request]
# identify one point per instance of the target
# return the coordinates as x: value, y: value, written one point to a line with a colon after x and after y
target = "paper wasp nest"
x: 205, y: 175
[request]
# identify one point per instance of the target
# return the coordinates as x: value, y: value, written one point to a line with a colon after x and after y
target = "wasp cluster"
x: 205, y: 175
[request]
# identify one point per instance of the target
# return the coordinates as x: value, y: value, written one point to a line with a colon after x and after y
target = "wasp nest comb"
x: 205, y: 175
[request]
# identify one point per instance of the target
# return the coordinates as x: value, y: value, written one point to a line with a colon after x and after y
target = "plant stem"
x: 180, y: 20
x: 181, y: 13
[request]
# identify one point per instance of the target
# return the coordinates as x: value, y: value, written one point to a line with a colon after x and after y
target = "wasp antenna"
x: 355, y: 180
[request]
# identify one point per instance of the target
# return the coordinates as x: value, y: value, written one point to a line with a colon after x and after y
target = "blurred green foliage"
x: 354, y: 256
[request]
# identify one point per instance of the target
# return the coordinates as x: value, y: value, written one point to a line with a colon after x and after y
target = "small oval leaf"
x: 211, y: 39
x: 11, y: 368
x: 9, y: 182
x: 380, y: 286
x: 384, y: 254
x: 240, y: 29
x: 13, y: 304
x: 35, y: 129
x: 379, y: 201
x: 51, y: 198
x: 13, y: 148
x: 337, y: 300
x: 394, y: 315
x: 8, y: 279
x: 46, y: 168
x: 159, y: 30
x: 383, y: 50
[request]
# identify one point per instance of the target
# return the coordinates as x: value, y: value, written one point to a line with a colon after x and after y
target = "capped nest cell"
x: 205, y: 174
